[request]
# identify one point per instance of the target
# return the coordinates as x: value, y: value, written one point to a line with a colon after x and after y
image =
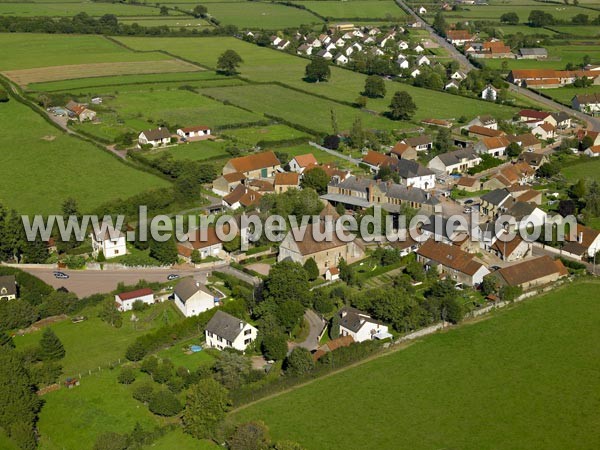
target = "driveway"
x: 316, y: 325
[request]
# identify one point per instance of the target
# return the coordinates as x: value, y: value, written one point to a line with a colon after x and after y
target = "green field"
x: 266, y: 65
x: 258, y: 15
x: 46, y: 166
x: 565, y: 94
x: 271, y: 133
x: 177, y: 22
x: 181, y: 441
x: 378, y: 9
x: 579, y: 30
x: 94, y: 343
x: 71, y: 9
x: 590, y: 170
x: 493, y: 12
x: 507, y: 30
x: 525, y: 378
x: 28, y: 51
x: 308, y: 111
x: 195, y: 151
x: 119, y: 82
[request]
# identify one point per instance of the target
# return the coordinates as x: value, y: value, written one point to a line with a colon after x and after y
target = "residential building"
x: 158, y: 137
x: 563, y: 120
x: 492, y: 202
x: 457, y: 161
x: 413, y: 174
x: 81, y: 111
x: 241, y: 197
x: 452, y: 84
x: 544, y: 131
x: 420, y: 143
x: 468, y: 184
x: 529, y: 143
x: 226, y: 331
x: 258, y: 165
x: 332, y: 274
x: 301, y: 162
x: 449, y: 260
x: 360, y: 326
x: 193, y: 297
x: 587, y: 103
x: 494, y: 146
x: 360, y: 193
x: 286, y: 180
x: 125, y: 300
x: 593, y: 151
x: 524, y: 77
x: 479, y: 131
x: 204, y: 240
x: 423, y: 60
x: 197, y: 132
x: 531, y: 273
x: 225, y: 184
x: 8, y: 287
x: 458, y: 37
x: 301, y: 244
x: 109, y: 241
x: 403, y: 151
x: 585, y: 244
x: 511, y: 250
x: 483, y: 121
x: 489, y: 93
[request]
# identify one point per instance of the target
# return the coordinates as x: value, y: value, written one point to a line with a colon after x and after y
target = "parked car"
x: 468, y: 210
x: 469, y: 201
x: 173, y: 276
x: 61, y: 275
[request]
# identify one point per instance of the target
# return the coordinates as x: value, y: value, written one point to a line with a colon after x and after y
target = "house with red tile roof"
x: 125, y: 300
x: 301, y: 162
x: 531, y: 273
x: 257, y: 165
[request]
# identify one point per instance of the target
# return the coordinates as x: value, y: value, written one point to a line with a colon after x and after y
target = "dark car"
x: 495, y: 268
x: 469, y: 202
x: 61, y: 275
x: 173, y: 276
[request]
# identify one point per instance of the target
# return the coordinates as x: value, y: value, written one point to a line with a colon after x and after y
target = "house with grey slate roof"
x: 226, y: 331
x: 192, y: 297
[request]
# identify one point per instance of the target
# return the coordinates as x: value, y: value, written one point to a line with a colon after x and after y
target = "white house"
x: 325, y: 54
x: 402, y: 62
x: 341, y: 59
x: 587, y: 103
x: 402, y: 45
x: 125, y: 300
x: 275, y: 40
x: 415, y: 73
x: 457, y: 161
x: 283, y: 45
x: 544, y: 131
x: 361, y: 326
x: 332, y: 274
x: 422, y: 10
x: 452, y: 84
x: 593, y: 151
x: 419, y: 48
x: 299, y: 163
x: 193, y: 298
x: 109, y: 241
x: 226, y: 331
x: 8, y: 287
x: 156, y: 138
x: 489, y: 93
x: 423, y: 60
x: 414, y: 174
x: 194, y: 132
x: 458, y: 75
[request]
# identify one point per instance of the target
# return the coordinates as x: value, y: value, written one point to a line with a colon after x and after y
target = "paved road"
x: 335, y: 153
x: 593, y: 123
x: 316, y: 326
x: 87, y: 282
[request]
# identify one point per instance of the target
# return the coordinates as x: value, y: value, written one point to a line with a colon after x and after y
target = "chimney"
x: 197, y: 284
x: 580, y: 237
x: 241, y: 325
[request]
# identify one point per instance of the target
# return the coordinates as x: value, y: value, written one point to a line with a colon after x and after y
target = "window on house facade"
x: 247, y: 332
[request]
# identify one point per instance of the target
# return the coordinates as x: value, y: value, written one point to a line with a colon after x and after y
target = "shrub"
x: 164, y: 403
x: 299, y: 362
x: 274, y: 346
x: 127, y: 375
x: 143, y: 393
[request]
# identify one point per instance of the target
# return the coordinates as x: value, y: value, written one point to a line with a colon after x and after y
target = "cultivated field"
x: 28, y: 51
x: 365, y: 9
x: 46, y: 166
x: 258, y: 15
x: 57, y: 73
x: 558, y: 57
x: 493, y: 12
x: 271, y: 133
x: 526, y: 378
x: 266, y: 65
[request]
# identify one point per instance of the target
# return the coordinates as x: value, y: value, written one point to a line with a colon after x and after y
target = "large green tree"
x: 316, y: 179
x: 402, y: 106
x: 299, y: 362
x: 51, y: 348
x: 228, y: 62
x: 374, y: 86
x: 317, y: 70
x: 207, y: 403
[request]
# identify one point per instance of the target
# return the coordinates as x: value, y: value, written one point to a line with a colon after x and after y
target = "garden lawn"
x: 72, y: 419
x: 258, y: 15
x: 365, y: 9
x: 181, y: 441
x: 46, y: 166
x: 93, y: 343
x: 179, y: 358
x: 29, y: 50
x: 525, y: 378
x: 195, y: 151
x: 267, y: 65
x: 588, y: 169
